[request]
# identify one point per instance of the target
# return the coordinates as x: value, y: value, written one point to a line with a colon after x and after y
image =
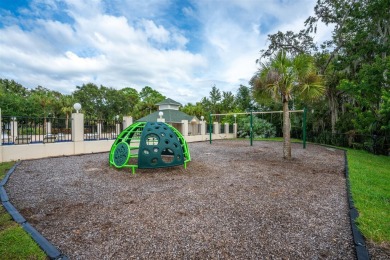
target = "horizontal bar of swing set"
x: 254, y: 113
x: 266, y: 112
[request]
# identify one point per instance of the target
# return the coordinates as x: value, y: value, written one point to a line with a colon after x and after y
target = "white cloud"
x: 129, y: 44
x: 155, y: 32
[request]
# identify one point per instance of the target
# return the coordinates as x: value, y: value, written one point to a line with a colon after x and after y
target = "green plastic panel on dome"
x: 149, y: 145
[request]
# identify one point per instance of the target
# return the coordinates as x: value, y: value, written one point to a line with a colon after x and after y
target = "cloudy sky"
x: 180, y: 48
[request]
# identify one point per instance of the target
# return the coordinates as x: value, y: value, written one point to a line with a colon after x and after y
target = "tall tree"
x: 284, y: 78
x: 91, y: 100
x: 360, y: 38
x: 149, y: 98
x: 129, y: 98
x: 244, y: 99
x: 67, y: 102
x: 215, y: 99
x: 227, y: 102
x: 206, y: 104
x: 289, y: 42
x: 13, y: 98
x: 194, y: 110
x: 45, y: 98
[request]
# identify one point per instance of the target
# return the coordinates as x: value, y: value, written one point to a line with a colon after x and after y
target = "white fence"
x: 81, y: 143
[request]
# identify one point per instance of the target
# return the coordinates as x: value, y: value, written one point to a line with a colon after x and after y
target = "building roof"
x: 170, y: 116
x: 168, y: 101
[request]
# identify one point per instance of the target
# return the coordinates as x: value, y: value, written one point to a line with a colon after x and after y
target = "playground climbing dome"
x: 149, y: 145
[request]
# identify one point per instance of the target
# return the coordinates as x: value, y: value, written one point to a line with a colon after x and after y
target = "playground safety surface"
x: 233, y: 201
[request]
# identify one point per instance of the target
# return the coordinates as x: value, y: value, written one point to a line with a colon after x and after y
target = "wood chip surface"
x: 234, y: 201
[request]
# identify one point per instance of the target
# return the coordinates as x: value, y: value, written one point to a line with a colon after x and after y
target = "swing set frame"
x: 251, y: 113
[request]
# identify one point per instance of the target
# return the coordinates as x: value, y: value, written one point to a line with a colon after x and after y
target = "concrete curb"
x: 51, y: 251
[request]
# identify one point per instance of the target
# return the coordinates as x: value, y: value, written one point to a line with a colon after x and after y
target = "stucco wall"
x: 79, y: 146
x: 44, y: 150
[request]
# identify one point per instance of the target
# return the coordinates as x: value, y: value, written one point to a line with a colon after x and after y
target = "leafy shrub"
x: 261, y: 128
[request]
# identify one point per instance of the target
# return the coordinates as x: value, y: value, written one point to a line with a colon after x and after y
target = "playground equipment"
x: 149, y: 145
x: 251, y: 113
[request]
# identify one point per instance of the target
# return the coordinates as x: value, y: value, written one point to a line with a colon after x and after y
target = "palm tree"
x: 67, y: 108
x: 284, y: 78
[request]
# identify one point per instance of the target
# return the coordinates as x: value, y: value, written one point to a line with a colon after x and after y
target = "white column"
x: 77, y: 127
x: 216, y: 127
x: 127, y: 121
x: 161, y: 120
x: 184, y: 127
x: 117, y: 128
x: 235, y: 130
x: 99, y: 129
x: 203, y: 127
x: 48, y: 127
x: 14, y: 129
x: 226, y: 128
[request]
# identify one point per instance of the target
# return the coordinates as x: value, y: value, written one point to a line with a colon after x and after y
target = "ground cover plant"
x: 370, y: 187
x: 15, y: 243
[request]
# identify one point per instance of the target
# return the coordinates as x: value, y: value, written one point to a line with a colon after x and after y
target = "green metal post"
x: 210, y: 125
x: 251, y: 129
x: 304, y: 127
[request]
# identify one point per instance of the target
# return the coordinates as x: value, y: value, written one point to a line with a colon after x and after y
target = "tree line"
x: 105, y: 102
x: 354, y: 65
x: 98, y: 102
x: 345, y: 80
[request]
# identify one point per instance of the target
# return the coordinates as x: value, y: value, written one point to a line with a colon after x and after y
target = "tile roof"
x: 170, y: 116
x: 168, y: 101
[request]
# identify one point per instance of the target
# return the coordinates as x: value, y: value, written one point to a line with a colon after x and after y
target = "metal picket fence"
x: 30, y: 130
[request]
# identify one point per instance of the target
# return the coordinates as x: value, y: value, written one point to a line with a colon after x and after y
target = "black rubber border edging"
x: 51, y: 251
x: 358, y: 239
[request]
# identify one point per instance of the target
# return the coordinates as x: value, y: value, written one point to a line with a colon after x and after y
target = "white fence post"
x: 216, y: 128
x: 99, y: 129
x: 48, y: 128
x: 184, y: 127
x: 78, y: 132
x: 203, y: 128
x: 77, y: 127
x: 117, y: 128
x: 14, y: 129
x: 127, y: 121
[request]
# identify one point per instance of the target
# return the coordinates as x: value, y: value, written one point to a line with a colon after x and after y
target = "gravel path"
x: 233, y: 201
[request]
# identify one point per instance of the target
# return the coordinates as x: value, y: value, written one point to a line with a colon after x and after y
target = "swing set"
x: 251, y: 113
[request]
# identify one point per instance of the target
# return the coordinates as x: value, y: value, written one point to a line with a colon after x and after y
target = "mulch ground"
x: 234, y: 201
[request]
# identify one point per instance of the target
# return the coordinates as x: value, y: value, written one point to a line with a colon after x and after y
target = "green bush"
x: 261, y: 128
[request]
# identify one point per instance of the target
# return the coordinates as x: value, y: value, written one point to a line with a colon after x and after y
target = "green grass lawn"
x: 4, y: 167
x: 15, y: 243
x: 370, y: 187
